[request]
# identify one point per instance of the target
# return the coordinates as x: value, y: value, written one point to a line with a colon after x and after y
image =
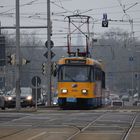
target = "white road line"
x: 20, y: 118
x: 38, y: 135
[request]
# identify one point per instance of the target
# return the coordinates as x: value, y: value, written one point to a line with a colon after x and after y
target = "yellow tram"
x: 80, y: 82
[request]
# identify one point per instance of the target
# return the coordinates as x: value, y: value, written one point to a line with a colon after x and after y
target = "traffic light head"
x: 11, y: 59
x: 105, y: 20
x: 44, y: 68
x: 105, y: 23
x: 25, y: 61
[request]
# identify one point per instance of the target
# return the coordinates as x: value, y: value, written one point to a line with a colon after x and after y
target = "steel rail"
x: 128, y: 131
x: 87, y: 126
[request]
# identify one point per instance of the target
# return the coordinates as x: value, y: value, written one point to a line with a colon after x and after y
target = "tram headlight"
x: 84, y: 91
x: 9, y: 98
x: 64, y: 91
x: 29, y: 97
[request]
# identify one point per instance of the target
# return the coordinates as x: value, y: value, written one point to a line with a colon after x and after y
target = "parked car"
x: 125, y: 98
x: 9, y: 100
x: 136, y: 103
x: 117, y: 103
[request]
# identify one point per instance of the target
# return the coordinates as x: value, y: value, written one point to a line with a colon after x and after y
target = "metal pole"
x: 17, y: 57
x: 132, y: 43
x: 49, y: 55
x: 36, y: 93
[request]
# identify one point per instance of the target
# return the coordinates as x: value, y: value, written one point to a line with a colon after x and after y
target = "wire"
x: 29, y: 3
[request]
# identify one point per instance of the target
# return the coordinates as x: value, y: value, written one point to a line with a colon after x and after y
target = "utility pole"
x: 49, y: 55
x: 17, y: 56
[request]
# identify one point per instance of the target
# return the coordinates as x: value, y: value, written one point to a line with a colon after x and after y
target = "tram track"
x: 87, y: 126
x: 129, y: 130
x: 74, y: 125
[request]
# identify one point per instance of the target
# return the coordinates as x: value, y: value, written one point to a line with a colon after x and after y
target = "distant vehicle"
x: 136, y: 103
x: 107, y: 101
x: 125, y: 98
x: 114, y: 97
x: 117, y: 103
x: 55, y: 101
x: 9, y: 100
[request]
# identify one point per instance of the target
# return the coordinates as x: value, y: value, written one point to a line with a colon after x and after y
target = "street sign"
x: 36, y: 81
x: 52, y: 54
x: 51, y: 44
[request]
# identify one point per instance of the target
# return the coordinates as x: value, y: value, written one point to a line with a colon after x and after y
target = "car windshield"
x: 74, y: 73
x: 24, y: 91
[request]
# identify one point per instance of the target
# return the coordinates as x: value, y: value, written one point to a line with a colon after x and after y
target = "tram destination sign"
x: 71, y: 61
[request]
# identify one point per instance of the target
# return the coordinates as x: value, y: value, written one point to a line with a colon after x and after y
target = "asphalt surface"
x: 52, y: 124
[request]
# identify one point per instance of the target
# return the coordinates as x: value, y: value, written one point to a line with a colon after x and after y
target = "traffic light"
x: 105, y: 20
x: 11, y: 59
x: 54, y: 69
x: 105, y: 23
x: 44, y: 68
x: 25, y: 61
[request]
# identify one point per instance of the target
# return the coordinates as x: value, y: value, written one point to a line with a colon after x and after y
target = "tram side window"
x: 98, y: 74
x: 103, y: 79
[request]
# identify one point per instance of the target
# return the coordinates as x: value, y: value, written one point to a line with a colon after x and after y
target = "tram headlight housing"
x: 84, y: 91
x: 64, y: 90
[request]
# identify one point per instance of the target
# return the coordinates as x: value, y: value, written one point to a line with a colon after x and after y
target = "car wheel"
x: 3, y: 108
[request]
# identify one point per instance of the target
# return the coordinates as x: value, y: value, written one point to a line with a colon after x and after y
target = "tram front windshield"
x: 78, y: 73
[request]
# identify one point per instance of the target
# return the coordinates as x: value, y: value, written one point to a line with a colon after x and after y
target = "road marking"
x: 19, y: 119
x: 38, y: 135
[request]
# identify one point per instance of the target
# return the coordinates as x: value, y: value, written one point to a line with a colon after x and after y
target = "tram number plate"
x: 71, y: 100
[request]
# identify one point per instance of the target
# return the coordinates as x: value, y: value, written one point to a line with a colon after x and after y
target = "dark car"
x: 9, y: 100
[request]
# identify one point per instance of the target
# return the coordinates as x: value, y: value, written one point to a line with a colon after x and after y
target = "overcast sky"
x: 34, y: 12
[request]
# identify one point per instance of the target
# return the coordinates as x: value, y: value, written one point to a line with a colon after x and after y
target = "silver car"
x: 9, y: 100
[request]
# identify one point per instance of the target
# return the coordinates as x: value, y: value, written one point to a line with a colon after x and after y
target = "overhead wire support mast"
x: 49, y: 55
x: 18, y: 63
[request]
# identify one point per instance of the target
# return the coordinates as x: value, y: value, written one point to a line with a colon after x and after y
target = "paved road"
x: 70, y: 125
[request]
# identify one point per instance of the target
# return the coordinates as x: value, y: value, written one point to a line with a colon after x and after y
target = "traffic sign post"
x: 52, y: 54
x: 49, y: 54
x: 36, y: 81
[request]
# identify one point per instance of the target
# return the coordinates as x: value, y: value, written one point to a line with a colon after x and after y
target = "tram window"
x: 98, y: 74
x: 103, y: 79
x: 70, y: 73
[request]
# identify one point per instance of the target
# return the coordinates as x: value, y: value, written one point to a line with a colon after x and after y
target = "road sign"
x: 52, y: 54
x: 51, y: 44
x: 36, y: 81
